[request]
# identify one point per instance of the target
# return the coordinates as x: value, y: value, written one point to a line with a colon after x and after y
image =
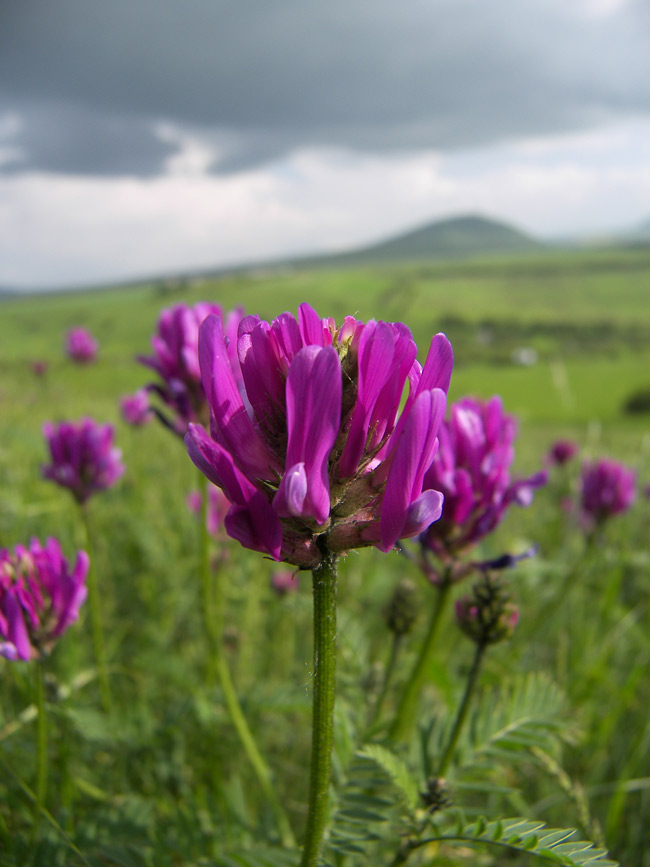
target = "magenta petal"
x: 242, y: 523
x: 261, y: 371
x: 290, y: 498
x: 217, y: 464
x: 313, y: 330
x: 313, y: 400
x: 413, y: 455
x: 422, y: 513
x: 437, y: 369
x: 376, y: 350
x: 16, y: 629
x: 232, y: 425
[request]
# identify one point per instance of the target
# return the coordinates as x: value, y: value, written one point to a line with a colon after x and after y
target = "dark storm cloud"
x: 90, y: 81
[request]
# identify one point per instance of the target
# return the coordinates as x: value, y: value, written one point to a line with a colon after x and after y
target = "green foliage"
x: 164, y: 782
x: 506, y: 723
x: 396, y: 771
x: 557, y: 846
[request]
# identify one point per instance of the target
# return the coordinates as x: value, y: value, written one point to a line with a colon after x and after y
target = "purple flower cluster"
x: 135, y: 408
x: 305, y: 438
x: 40, y: 596
x: 608, y: 488
x: 84, y: 459
x: 472, y: 469
x: 561, y: 452
x: 176, y: 361
x: 80, y: 345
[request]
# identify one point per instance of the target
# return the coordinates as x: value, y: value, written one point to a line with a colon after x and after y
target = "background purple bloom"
x: 40, y: 596
x: 84, y: 459
x: 472, y: 469
x: 175, y: 359
x: 561, y: 452
x: 608, y: 488
x: 284, y: 582
x: 135, y: 408
x: 218, y: 507
x: 80, y: 345
x: 305, y: 438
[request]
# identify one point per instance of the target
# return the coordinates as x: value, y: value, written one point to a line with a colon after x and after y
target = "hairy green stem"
x: 96, y: 617
x: 213, y: 628
x: 407, y: 709
x: 472, y: 678
x: 324, y: 587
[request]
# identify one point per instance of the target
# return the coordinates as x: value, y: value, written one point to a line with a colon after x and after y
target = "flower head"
x: 39, y: 367
x: 608, y: 488
x: 135, y: 408
x: 561, y: 452
x: 84, y: 459
x: 176, y: 361
x: 40, y: 596
x: 308, y: 446
x: 284, y: 582
x: 472, y: 469
x: 80, y: 345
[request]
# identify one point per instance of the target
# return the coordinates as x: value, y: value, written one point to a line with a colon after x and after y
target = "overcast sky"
x: 141, y: 136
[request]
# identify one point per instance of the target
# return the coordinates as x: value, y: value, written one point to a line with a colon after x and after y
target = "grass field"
x: 163, y: 780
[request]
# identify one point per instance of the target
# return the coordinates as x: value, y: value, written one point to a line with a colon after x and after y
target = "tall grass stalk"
x: 407, y: 708
x: 96, y: 616
x: 41, y: 744
x: 213, y: 628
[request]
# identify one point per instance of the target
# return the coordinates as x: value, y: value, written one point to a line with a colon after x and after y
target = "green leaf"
x: 396, y: 770
x: 523, y: 835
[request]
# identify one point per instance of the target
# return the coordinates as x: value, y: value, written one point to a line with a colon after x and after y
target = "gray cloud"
x: 90, y: 81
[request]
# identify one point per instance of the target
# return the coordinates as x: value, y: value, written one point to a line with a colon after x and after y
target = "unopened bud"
x: 401, y: 611
x: 487, y: 616
x: 436, y: 795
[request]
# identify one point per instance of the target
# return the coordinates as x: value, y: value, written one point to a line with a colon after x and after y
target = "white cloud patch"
x: 62, y: 230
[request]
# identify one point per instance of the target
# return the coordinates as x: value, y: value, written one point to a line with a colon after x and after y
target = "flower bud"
x: 486, y: 615
x: 401, y: 612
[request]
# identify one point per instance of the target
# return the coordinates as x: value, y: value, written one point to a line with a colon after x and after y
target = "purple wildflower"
x: 84, y: 459
x: 176, y: 361
x: 135, y: 408
x: 39, y: 367
x: 284, y: 582
x: 472, y: 469
x: 218, y: 506
x: 80, y: 345
x: 608, y: 488
x: 561, y: 452
x: 39, y: 597
x: 308, y: 447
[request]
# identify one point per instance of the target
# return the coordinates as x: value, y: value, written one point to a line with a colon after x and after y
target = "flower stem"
x: 217, y: 663
x: 472, y: 678
x: 96, y: 618
x: 407, y: 710
x: 324, y: 586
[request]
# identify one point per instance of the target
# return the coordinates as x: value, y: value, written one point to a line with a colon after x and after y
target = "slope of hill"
x: 456, y: 238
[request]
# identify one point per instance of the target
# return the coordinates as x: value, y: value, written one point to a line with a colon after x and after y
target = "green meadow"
x: 559, y: 732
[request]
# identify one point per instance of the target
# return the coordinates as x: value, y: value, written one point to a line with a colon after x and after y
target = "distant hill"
x: 455, y: 238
